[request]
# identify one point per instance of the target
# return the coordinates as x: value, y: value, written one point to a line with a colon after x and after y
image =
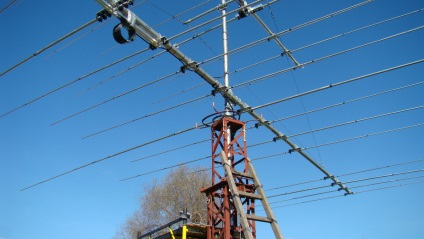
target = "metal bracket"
x: 280, y: 137
x: 294, y: 150
x: 222, y: 6
x: 189, y: 66
x: 245, y: 109
x: 102, y: 15
x: 266, y: 122
x: 246, y: 11
x: 220, y: 90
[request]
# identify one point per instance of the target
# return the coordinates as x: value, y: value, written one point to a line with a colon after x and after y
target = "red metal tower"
x: 228, y: 135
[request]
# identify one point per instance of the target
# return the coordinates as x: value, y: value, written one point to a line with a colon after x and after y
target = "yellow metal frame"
x: 184, y: 236
x: 171, y: 232
x: 184, y: 232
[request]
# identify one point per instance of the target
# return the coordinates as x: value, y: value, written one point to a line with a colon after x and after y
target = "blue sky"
x: 93, y: 202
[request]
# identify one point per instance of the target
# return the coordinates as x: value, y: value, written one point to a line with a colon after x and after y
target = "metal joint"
x: 258, y: 186
x: 164, y: 40
x: 286, y: 52
x: 337, y: 183
x: 256, y: 9
x: 246, y: 11
x: 222, y: 6
x: 294, y: 150
x: 243, y: 110
x: 124, y: 4
x: 273, y: 36
x: 345, y: 189
x: 189, y: 66
x: 242, y: 13
x: 102, y: 15
x: 346, y: 194
x: 281, y: 136
x: 266, y: 122
x: 222, y: 89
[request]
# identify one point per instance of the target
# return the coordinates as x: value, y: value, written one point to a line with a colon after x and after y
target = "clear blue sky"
x: 93, y: 202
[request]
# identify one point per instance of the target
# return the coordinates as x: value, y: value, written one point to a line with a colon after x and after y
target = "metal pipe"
x: 245, y: 107
x: 339, y: 83
x: 223, y: 5
x: 48, y: 46
x: 228, y: 95
x: 216, y: 18
x: 286, y: 51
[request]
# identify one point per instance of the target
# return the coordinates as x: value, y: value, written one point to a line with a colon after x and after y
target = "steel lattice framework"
x: 229, y: 136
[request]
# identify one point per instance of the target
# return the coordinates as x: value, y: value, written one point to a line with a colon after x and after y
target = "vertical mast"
x: 225, y: 48
x: 226, y: 76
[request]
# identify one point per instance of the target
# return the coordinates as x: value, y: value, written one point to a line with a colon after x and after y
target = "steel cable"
x: 146, y: 49
x: 317, y: 146
x: 333, y: 191
x: 181, y: 13
x: 126, y: 70
x: 341, y: 103
x: 146, y: 116
x: 266, y: 39
x: 348, y: 174
x: 356, y: 121
x: 72, y: 82
x: 48, y: 46
x: 327, y: 39
x: 171, y: 150
x: 348, y: 182
x: 109, y: 157
x: 342, y: 195
x: 116, y: 97
x: 258, y: 79
x: 339, y: 84
x: 7, y: 6
x: 315, y: 110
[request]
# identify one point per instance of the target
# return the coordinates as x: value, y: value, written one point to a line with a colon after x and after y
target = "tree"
x: 163, y: 200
